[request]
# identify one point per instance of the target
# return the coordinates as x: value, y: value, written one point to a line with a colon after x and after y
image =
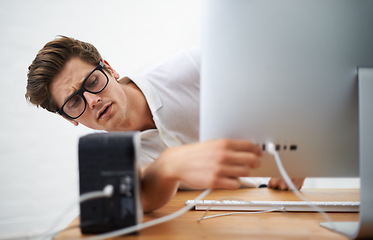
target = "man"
x: 69, y: 77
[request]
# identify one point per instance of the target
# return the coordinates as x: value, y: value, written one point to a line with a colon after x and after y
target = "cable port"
x: 293, y: 147
x: 280, y: 147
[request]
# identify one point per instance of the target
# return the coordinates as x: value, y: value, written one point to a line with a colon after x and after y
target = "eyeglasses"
x: 94, y: 83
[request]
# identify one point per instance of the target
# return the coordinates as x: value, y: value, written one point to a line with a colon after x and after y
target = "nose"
x: 92, y: 99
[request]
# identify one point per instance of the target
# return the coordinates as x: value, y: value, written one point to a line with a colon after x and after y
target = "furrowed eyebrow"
x: 82, y: 81
x: 80, y: 84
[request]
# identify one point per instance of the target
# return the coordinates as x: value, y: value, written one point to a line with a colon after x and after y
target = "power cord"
x: 272, y: 150
x: 150, y: 223
x: 106, y: 192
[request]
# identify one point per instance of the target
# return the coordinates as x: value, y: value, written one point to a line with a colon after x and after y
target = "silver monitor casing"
x: 287, y: 72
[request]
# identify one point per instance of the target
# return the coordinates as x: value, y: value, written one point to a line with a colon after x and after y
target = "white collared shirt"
x: 171, y: 88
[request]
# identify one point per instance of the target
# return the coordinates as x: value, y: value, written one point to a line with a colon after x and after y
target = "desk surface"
x: 274, y: 225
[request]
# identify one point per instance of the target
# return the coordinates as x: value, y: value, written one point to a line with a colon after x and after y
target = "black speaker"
x: 109, y: 158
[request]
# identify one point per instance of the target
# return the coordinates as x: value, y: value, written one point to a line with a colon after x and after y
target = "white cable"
x: 233, y: 213
x: 272, y: 150
x: 106, y: 192
x: 150, y: 223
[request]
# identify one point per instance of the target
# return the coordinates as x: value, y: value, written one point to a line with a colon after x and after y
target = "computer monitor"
x: 290, y: 72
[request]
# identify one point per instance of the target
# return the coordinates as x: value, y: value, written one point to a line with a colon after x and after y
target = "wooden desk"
x: 274, y: 225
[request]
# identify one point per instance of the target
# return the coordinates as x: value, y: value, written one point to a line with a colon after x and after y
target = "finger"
x: 283, y: 185
x: 241, y: 145
x: 234, y: 171
x: 274, y: 182
x: 239, y: 158
x: 298, y: 182
x: 226, y: 183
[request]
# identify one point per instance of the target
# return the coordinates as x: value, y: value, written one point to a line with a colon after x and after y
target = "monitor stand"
x: 364, y: 228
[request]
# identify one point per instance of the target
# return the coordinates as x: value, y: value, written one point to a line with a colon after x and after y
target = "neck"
x: 140, y: 108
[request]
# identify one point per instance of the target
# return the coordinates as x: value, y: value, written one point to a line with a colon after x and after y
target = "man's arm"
x: 213, y: 164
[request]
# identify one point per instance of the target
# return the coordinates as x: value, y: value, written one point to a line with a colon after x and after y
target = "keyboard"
x: 289, y: 206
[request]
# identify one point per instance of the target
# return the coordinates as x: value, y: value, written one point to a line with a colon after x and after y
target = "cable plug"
x: 108, y: 190
x: 271, y: 148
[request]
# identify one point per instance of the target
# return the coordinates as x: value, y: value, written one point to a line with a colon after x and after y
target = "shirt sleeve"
x: 194, y: 55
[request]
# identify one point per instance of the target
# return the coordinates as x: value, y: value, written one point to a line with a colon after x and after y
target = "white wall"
x: 38, y: 150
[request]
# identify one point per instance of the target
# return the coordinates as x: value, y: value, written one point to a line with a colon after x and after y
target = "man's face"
x: 106, y: 110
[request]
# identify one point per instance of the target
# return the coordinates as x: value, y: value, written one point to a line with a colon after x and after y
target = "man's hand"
x: 280, y: 184
x: 212, y: 164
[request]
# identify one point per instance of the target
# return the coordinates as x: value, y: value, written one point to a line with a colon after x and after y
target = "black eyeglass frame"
x: 83, y: 89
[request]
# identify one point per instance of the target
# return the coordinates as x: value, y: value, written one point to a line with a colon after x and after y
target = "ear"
x: 113, y: 72
x: 75, y: 123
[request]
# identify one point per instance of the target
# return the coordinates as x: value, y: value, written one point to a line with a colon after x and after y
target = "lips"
x: 104, y: 112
